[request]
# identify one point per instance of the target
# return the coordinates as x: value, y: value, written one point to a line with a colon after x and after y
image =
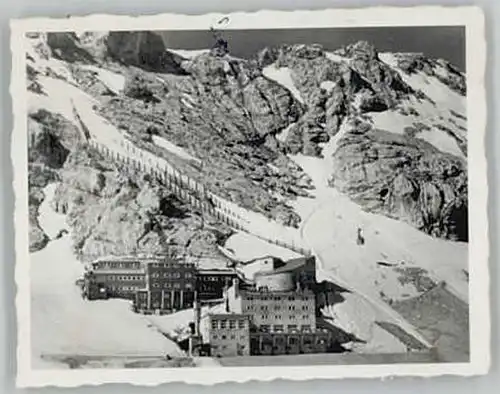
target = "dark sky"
x: 447, y: 42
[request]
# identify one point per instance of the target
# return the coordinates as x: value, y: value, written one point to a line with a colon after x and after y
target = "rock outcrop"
x: 142, y: 49
x: 227, y: 113
x: 405, y: 178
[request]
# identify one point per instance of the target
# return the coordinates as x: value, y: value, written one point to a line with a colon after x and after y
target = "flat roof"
x: 229, y: 315
x: 141, y: 259
x: 120, y: 271
x: 291, y: 265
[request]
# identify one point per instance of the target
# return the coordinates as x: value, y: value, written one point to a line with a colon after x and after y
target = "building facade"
x: 170, y: 286
x: 112, y: 277
x: 262, y: 343
x: 229, y: 335
x: 280, y: 304
x: 277, y: 311
x: 210, y: 284
x: 155, y: 285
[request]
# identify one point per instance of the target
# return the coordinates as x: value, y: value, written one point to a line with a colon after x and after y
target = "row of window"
x: 231, y: 324
x: 125, y: 288
x: 123, y: 277
x: 133, y: 264
x: 276, y: 307
x: 175, y: 275
x: 281, y: 327
x: 290, y: 317
x: 225, y: 337
x: 212, y: 278
x: 168, y: 285
x: 116, y: 264
x: 279, y: 298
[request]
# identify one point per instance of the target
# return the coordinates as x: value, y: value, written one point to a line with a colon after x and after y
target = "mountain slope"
x: 361, y: 154
x: 402, y: 152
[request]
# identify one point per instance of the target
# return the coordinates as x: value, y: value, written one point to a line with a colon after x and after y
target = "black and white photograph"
x: 240, y: 192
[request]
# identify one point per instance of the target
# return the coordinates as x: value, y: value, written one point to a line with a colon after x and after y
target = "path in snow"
x: 63, y: 323
x: 176, y: 150
x: 247, y: 247
x: 329, y: 226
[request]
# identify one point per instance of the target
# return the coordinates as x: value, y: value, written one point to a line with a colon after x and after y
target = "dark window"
x: 241, y: 324
x: 223, y: 323
x: 214, y: 324
x: 232, y: 324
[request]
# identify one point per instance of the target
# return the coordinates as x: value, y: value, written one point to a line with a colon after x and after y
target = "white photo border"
x: 470, y: 17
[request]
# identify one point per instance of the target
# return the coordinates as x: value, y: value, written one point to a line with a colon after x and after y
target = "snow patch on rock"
x: 283, y: 76
x: 189, y: 53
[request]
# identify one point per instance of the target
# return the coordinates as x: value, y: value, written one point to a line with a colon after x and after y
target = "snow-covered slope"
x: 165, y: 144
x: 392, y: 249
x: 63, y: 323
x: 189, y: 53
x: 282, y: 75
x: 439, y: 117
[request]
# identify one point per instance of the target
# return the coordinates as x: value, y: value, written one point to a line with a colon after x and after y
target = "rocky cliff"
x: 392, y: 125
x: 397, y: 124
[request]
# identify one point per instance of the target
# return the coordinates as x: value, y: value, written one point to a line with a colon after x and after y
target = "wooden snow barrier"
x: 191, y: 192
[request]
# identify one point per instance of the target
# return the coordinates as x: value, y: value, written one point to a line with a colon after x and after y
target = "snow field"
x: 188, y: 53
x: 446, y: 100
x: 62, y: 323
x: 247, y: 247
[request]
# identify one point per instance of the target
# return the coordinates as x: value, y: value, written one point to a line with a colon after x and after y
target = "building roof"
x: 275, y: 259
x: 143, y: 259
x: 138, y: 258
x: 134, y: 271
x: 229, y: 315
x: 291, y: 265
